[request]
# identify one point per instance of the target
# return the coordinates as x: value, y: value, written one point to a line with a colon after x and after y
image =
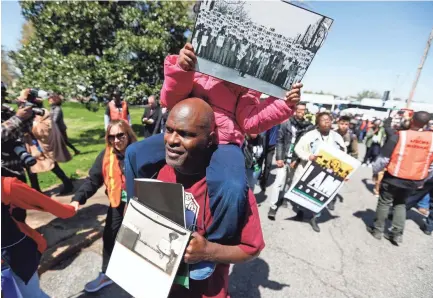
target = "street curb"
x: 65, y: 249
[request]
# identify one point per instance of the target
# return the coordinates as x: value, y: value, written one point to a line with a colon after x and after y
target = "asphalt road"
x: 341, y: 261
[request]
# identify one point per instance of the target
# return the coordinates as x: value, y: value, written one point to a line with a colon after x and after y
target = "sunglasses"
x: 120, y: 136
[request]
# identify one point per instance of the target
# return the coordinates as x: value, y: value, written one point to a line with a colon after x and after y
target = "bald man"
x: 151, y: 118
x: 189, y: 143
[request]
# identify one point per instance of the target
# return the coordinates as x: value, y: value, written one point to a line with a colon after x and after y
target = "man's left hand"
x: 197, y: 249
x: 294, y: 95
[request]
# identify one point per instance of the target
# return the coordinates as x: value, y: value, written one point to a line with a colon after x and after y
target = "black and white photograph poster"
x: 148, y: 251
x: 322, y: 178
x: 262, y: 45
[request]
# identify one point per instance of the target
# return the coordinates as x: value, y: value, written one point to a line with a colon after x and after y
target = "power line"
x: 418, y: 73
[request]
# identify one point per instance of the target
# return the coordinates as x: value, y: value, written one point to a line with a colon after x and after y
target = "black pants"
x: 69, y: 144
x: 56, y: 170
x: 391, y: 195
x: 372, y: 152
x: 112, y: 226
x: 268, y: 163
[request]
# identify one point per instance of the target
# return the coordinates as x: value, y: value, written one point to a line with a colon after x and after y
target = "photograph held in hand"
x: 262, y: 45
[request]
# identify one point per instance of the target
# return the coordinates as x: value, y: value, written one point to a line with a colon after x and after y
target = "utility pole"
x: 418, y: 73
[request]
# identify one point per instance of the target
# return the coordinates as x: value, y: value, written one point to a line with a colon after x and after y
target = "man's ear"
x: 212, y: 139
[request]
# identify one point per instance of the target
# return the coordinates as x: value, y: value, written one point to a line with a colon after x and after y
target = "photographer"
x: 13, y: 127
x: 45, y: 142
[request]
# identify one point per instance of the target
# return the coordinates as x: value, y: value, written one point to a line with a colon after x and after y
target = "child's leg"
x: 143, y: 160
x: 228, y: 190
x: 424, y: 202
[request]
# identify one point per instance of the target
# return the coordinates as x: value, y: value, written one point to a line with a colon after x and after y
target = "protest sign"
x: 322, y: 178
x: 266, y: 32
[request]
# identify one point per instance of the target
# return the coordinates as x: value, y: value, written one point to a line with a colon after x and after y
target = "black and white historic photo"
x: 151, y: 247
x: 153, y: 237
x: 262, y: 45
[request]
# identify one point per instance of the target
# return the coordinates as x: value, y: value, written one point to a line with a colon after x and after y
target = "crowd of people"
x: 218, y: 140
x: 298, y: 140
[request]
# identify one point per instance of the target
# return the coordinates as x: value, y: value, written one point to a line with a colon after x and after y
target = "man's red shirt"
x: 251, y: 238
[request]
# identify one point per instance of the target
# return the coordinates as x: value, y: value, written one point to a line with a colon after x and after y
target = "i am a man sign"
x: 322, y: 179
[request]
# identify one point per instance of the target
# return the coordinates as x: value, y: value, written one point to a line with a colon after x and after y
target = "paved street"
x: 341, y: 261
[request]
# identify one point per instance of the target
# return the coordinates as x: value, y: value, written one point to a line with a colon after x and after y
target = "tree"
x: 100, y: 44
x: 8, y: 72
x: 27, y: 32
x: 368, y: 94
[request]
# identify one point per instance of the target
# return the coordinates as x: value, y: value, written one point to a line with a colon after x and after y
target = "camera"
x: 30, y: 100
x: 36, y: 93
x: 35, y: 109
x: 26, y: 158
x: 16, y: 146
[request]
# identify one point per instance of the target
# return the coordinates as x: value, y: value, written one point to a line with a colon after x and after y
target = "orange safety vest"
x: 113, y: 177
x: 115, y: 114
x: 412, y: 155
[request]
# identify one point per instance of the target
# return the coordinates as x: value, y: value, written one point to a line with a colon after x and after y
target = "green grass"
x: 86, y: 132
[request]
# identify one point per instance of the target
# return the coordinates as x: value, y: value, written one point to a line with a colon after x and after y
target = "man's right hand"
x: 280, y: 163
x: 187, y: 58
x: 24, y: 113
x: 75, y: 204
x: 313, y: 157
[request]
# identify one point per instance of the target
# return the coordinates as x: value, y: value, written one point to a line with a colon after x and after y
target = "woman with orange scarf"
x: 108, y: 169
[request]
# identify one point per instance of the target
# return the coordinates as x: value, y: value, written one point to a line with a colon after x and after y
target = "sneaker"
x: 375, y: 233
x: 272, y: 213
x: 314, y: 225
x: 100, y: 282
x: 423, y: 211
x: 395, y: 239
x: 428, y: 233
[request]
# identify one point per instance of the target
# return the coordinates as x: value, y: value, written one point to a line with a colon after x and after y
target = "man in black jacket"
x: 288, y: 134
x: 151, y: 118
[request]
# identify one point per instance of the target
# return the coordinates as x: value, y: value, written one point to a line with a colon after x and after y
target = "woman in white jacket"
x: 307, y: 147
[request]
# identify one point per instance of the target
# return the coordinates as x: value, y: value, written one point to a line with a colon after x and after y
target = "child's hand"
x: 294, y: 95
x: 187, y: 58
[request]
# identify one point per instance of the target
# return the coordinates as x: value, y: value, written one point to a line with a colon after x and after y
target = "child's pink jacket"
x: 238, y: 110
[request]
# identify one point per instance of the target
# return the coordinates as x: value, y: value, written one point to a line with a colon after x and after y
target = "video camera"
x: 17, y: 145
x: 30, y: 101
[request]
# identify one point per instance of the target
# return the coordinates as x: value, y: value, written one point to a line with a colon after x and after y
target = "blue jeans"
x: 419, y: 197
x: 252, y: 178
x: 32, y: 288
x: 225, y: 177
x: 425, y: 202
